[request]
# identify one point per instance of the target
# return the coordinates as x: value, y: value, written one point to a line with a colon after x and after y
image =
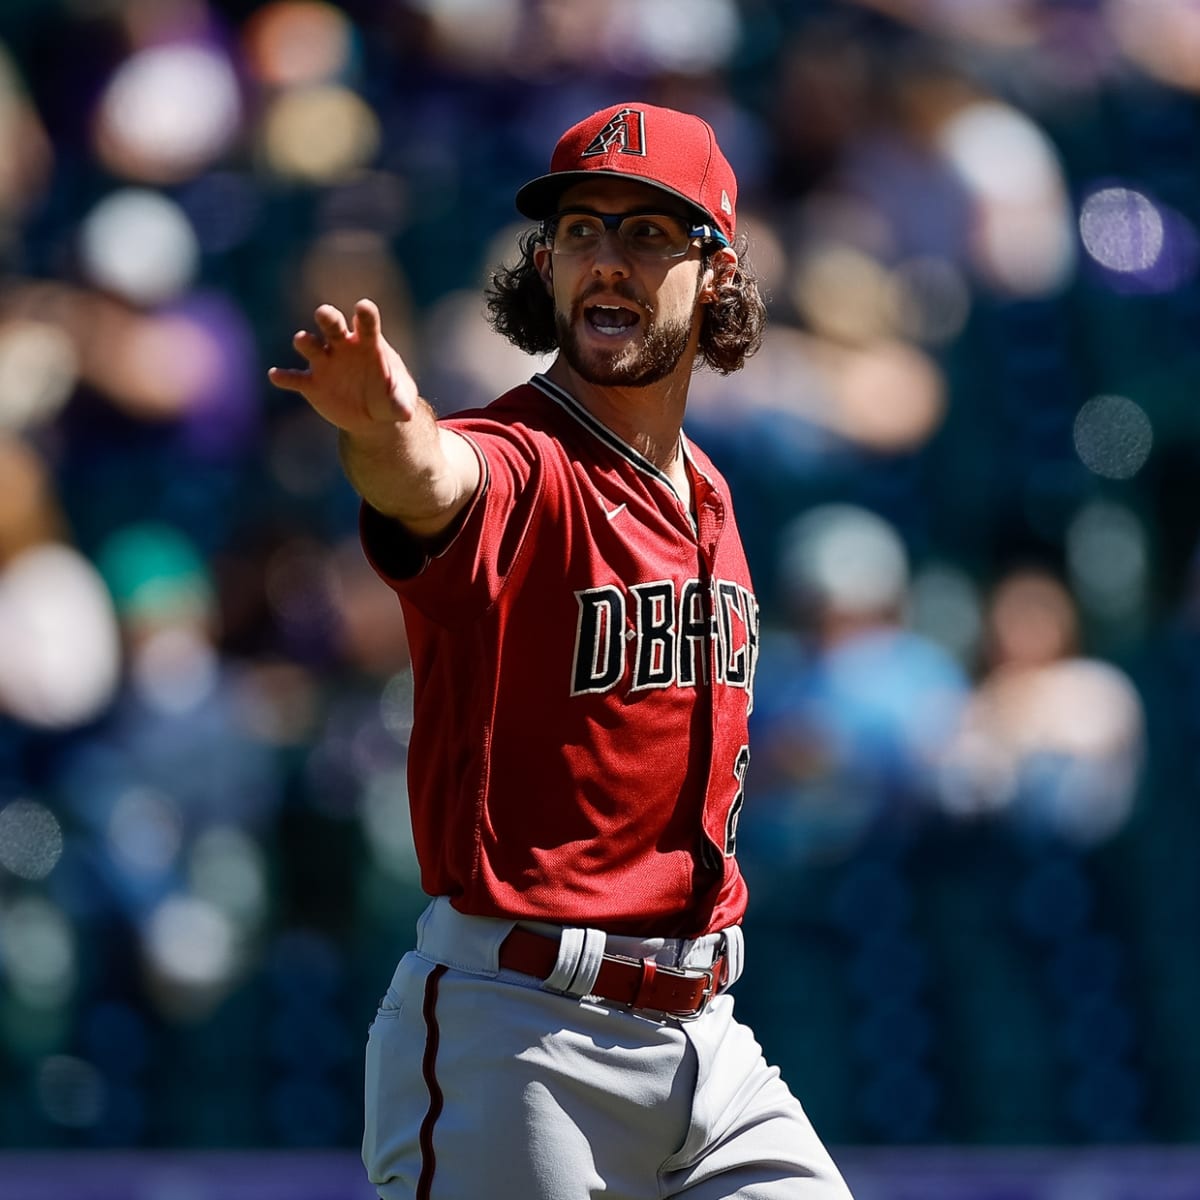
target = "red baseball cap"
x: 675, y: 151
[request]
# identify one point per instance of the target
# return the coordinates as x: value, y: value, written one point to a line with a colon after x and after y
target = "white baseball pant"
x: 482, y: 1083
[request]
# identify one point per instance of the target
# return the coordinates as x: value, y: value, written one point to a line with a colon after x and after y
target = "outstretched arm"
x: 395, y: 454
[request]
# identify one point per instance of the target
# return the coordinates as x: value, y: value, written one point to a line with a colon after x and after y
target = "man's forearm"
x: 414, y: 471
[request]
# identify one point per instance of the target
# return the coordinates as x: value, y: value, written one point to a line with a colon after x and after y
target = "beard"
x: 663, y: 345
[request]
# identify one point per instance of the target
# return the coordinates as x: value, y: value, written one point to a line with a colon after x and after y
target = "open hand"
x: 354, y: 379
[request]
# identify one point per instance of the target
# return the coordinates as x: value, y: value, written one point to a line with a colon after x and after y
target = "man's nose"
x: 611, y: 254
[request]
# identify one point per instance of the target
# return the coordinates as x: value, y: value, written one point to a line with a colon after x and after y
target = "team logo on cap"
x: 626, y: 129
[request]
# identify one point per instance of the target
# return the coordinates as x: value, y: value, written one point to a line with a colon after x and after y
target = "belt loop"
x: 735, y: 955
x: 570, y: 947
x: 589, y: 962
x: 649, y: 970
x: 580, y: 952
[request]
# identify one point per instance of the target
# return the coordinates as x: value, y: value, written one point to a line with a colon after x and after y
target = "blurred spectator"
x: 1052, y: 738
x: 59, y: 652
x: 854, y: 711
x: 174, y: 766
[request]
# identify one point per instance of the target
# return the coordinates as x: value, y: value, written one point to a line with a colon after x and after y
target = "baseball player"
x: 584, y: 634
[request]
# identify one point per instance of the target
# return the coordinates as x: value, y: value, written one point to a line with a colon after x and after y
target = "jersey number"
x: 735, y: 809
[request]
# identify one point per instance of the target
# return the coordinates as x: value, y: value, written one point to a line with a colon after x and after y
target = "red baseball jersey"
x: 583, y: 656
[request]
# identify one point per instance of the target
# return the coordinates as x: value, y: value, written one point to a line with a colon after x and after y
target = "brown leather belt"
x: 636, y: 982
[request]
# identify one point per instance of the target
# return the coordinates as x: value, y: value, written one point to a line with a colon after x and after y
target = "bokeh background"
x: 965, y: 468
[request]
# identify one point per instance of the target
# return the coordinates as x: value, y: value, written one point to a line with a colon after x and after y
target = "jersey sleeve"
x: 462, y: 576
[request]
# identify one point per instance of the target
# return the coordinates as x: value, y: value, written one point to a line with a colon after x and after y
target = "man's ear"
x: 543, y: 260
x: 721, y: 267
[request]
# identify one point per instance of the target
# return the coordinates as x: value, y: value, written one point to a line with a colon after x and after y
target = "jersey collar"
x: 569, y: 404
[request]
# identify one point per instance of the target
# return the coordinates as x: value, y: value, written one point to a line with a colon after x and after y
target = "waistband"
x: 473, y: 944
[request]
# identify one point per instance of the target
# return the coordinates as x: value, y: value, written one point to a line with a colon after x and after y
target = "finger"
x: 309, y: 345
x: 331, y: 322
x: 366, y: 318
x: 289, y: 379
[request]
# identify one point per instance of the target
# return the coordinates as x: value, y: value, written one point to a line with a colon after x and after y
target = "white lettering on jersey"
x: 599, y: 640
x: 658, y: 637
x: 695, y: 631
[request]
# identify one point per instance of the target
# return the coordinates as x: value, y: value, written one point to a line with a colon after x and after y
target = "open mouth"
x: 609, y: 319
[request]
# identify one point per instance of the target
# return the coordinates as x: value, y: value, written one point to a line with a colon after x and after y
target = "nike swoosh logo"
x: 610, y: 513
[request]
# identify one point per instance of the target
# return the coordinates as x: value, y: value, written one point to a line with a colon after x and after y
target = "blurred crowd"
x: 963, y: 465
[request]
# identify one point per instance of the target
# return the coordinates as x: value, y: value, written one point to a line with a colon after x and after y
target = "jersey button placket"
x: 710, y: 515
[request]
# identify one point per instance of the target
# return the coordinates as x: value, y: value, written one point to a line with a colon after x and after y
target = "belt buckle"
x: 711, y: 983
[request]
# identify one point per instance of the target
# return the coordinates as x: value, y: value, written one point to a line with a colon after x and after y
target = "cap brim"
x: 539, y: 198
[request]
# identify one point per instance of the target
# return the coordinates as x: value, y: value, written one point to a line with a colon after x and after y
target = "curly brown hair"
x: 520, y: 308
